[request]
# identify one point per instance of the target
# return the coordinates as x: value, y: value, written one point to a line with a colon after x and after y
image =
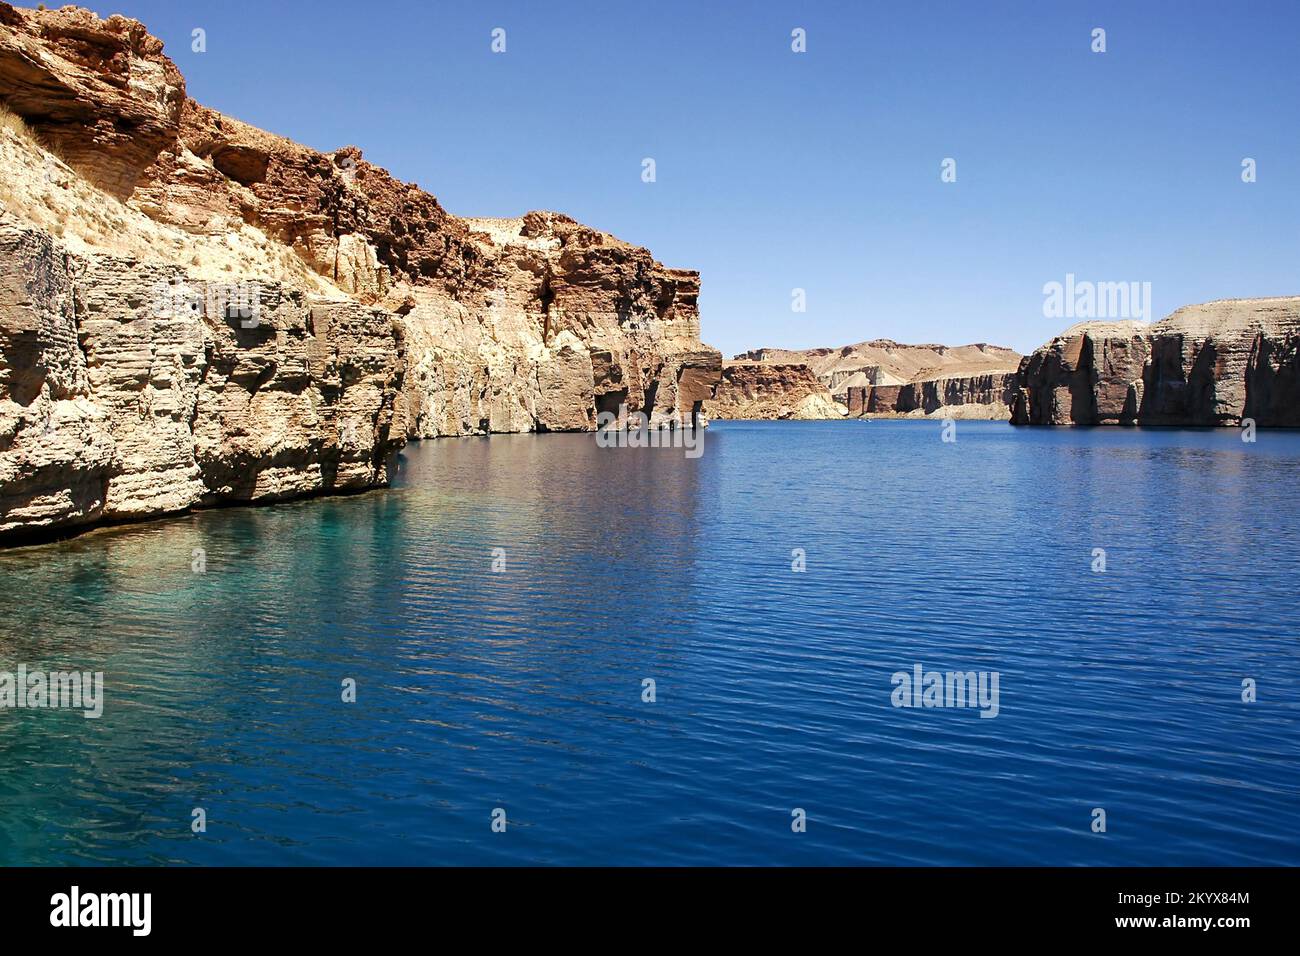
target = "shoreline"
x: 38, y: 538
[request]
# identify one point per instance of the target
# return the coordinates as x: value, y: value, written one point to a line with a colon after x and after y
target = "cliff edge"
x: 195, y: 311
x: 1203, y: 365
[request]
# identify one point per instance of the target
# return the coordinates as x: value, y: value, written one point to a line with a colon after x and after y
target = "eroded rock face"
x: 973, y: 396
x: 382, y: 315
x: 510, y: 321
x: 99, y: 91
x: 128, y: 391
x: 1210, y: 364
x: 570, y: 322
x: 762, y: 390
x: 56, y: 454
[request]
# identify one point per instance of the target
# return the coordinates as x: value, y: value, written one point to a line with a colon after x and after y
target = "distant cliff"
x: 1210, y: 364
x: 878, y: 378
x: 886, y: 362
x: 765, y: 390
x: 194, y: 310
x: 987, y: 396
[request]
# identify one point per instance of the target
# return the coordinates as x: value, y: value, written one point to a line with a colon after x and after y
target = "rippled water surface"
x: 523, y: 689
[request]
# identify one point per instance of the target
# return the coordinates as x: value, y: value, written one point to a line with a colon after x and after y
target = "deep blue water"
x: 523, y: 689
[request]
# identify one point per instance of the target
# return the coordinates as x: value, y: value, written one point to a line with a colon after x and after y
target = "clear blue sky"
x: 819, y: 170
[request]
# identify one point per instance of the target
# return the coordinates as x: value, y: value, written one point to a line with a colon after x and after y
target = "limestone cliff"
x: 117, y: 402
x: 193, y: 310
x: 762, y: 390
x: 1210, y: 364
x: 567, y: 323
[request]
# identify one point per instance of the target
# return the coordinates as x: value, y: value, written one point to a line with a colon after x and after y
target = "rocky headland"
x: 1211, y: 364
x: 194, y: 311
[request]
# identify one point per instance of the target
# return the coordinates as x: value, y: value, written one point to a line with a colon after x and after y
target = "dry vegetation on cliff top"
x: 13, y: 123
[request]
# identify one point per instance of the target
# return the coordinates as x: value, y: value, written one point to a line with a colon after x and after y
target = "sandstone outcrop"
x: 1210, y: 364
x: 132, y: 385
x: 762, y: 390
x: 100, y: 91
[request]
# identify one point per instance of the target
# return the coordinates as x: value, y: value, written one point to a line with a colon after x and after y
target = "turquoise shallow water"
x: 523, y: 689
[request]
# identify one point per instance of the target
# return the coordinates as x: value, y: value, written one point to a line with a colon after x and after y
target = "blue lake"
x: 522, y: 688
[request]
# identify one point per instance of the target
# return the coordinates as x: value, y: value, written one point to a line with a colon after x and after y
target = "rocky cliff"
x: 765, y: 390
x: 987, y: 396
x: 886, y: 362
x: 194, y: 310
x: 880, y: 378
x: 119, y: 403
x: 1210, y: 364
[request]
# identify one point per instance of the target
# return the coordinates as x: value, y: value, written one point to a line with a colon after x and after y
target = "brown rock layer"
x: 760, y: 390
x: 975, y: 396
x: 570, y: 322
x: 1211, y: 364
x: 99, y: 91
